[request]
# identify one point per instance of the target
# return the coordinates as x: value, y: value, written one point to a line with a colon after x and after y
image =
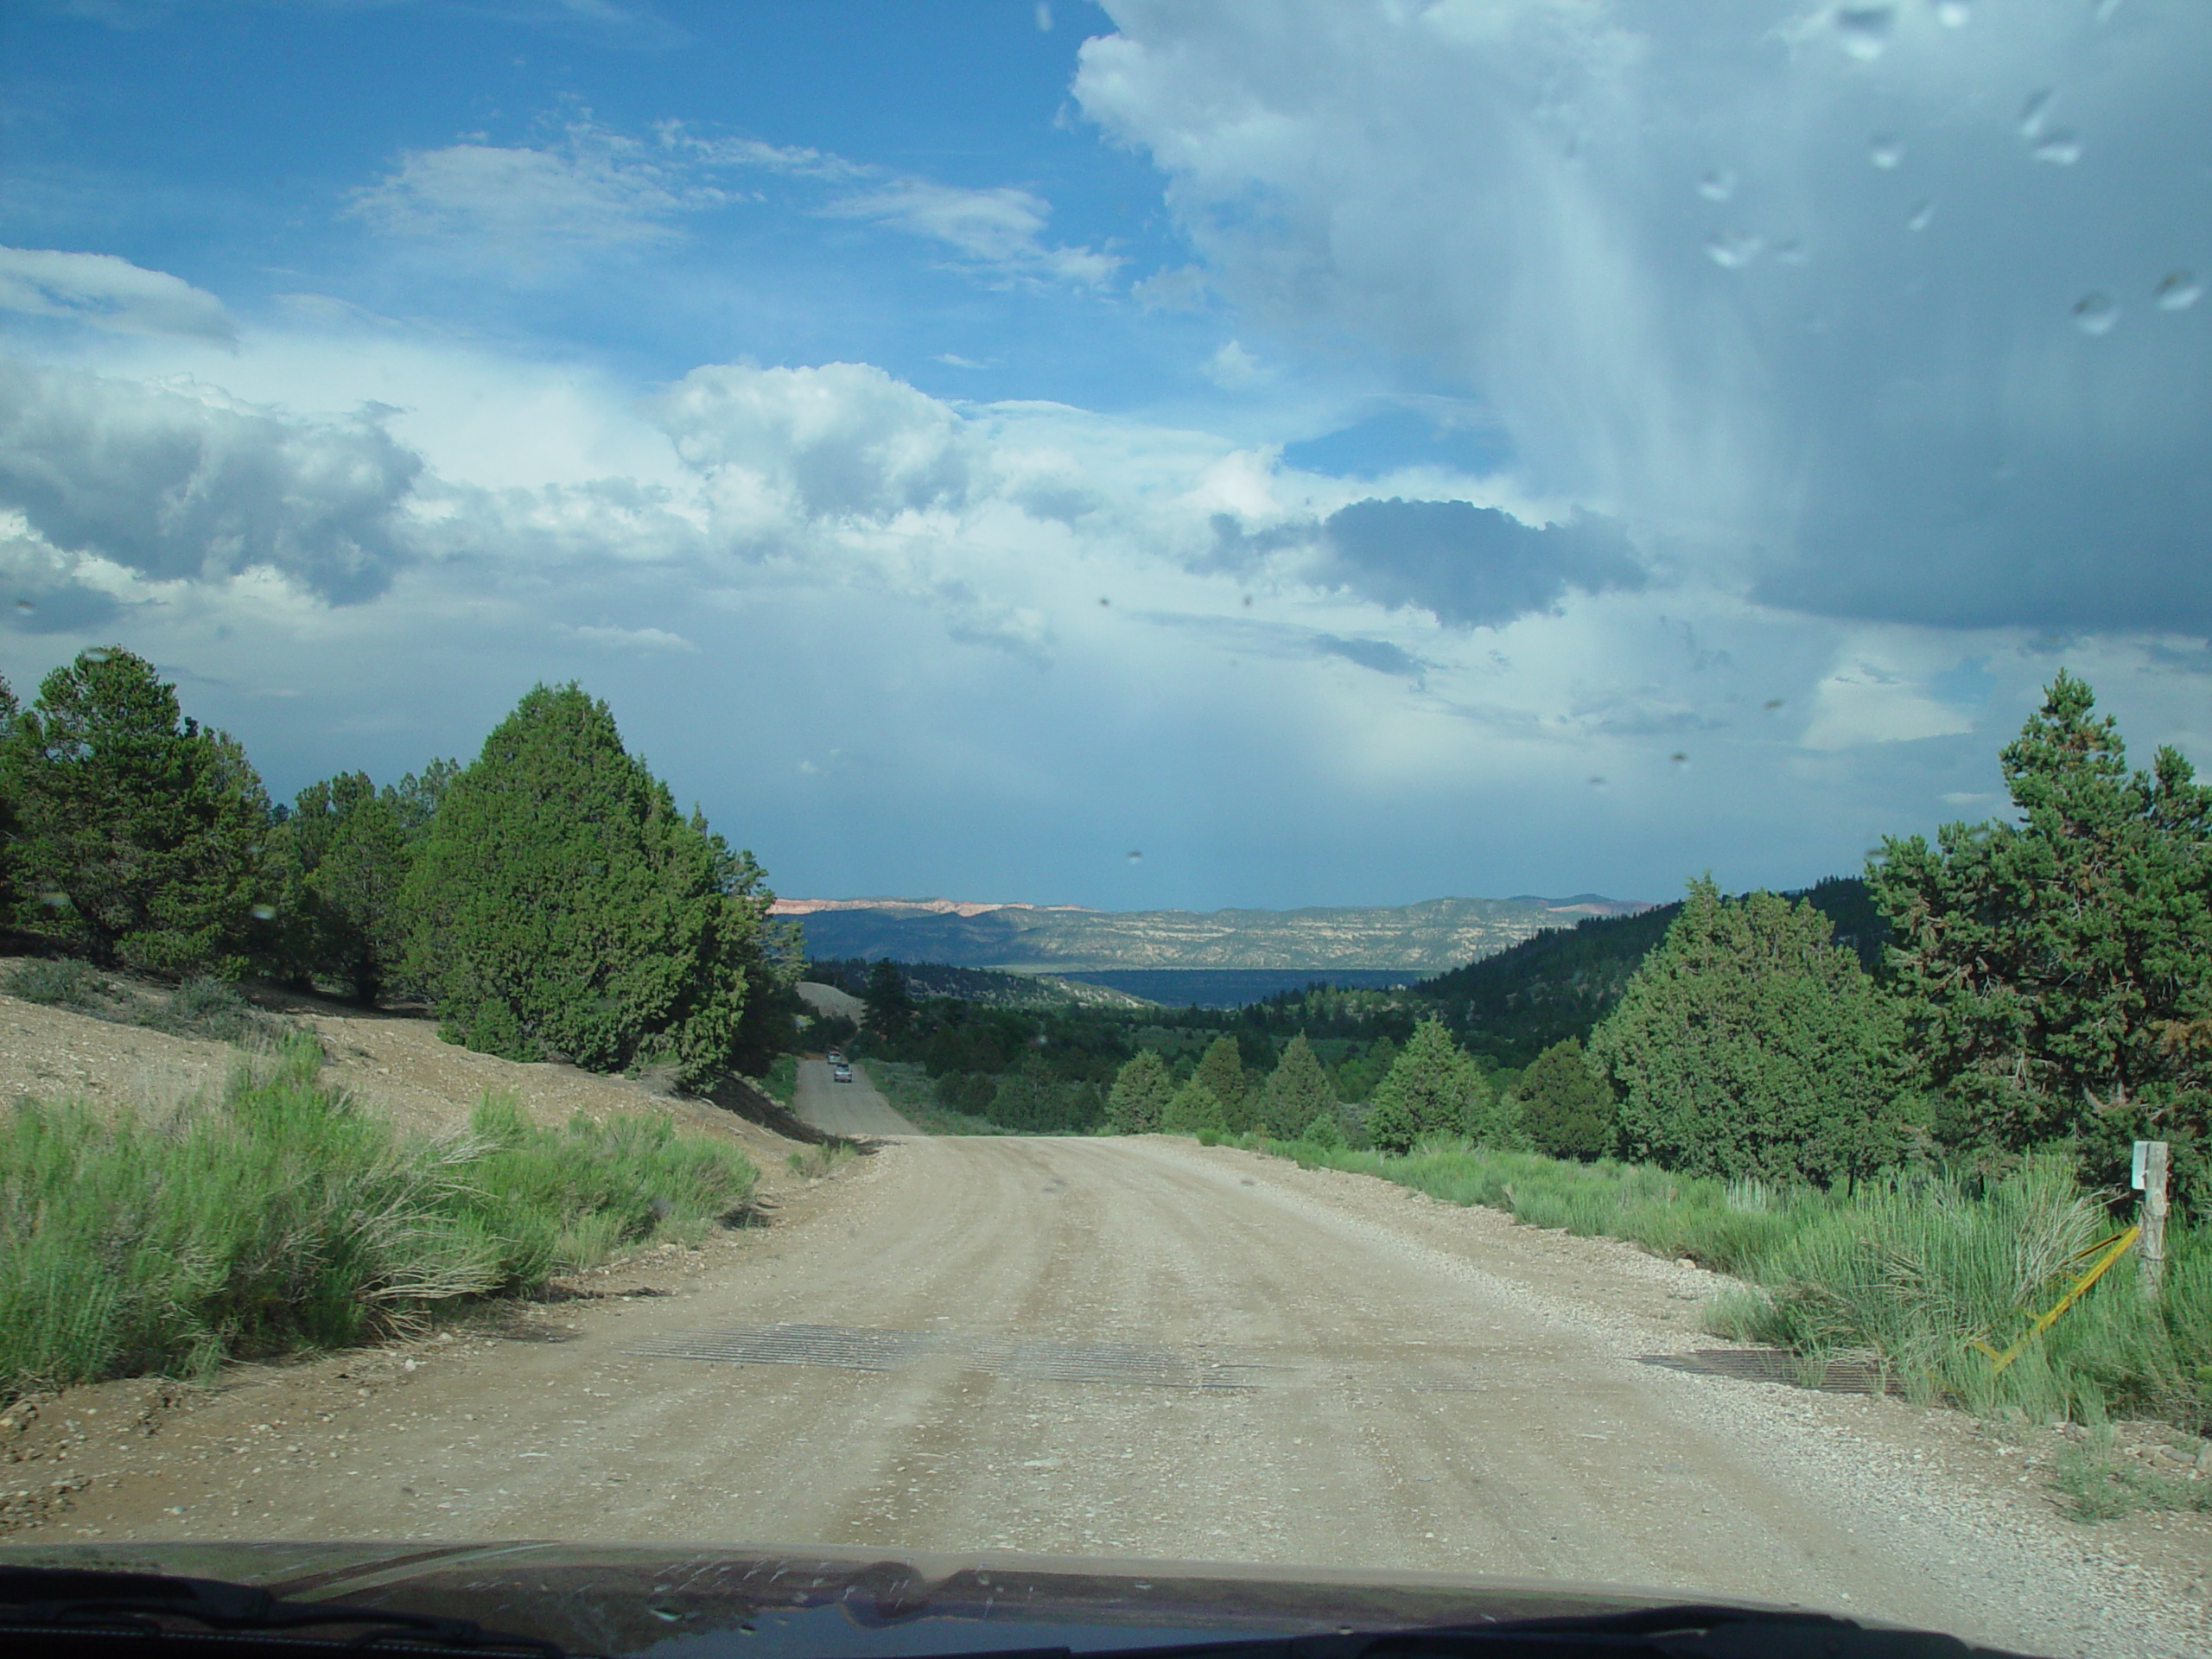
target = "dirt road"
x: 856, y: 1108
x: 1142, y: 1348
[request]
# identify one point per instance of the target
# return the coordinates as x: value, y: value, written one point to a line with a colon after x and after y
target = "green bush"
x: 63, y: 984
x: 1568, y: 1111
x: 1195, y: 1109
x: 284, y: 1216
x: 208, y: 1008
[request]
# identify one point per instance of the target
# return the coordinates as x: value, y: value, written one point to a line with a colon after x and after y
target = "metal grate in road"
x: 1028, y: 1359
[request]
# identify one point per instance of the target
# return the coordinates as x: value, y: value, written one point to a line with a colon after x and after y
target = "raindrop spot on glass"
x: 1732, y: 250
x: 2094, y: 313
x: 52, y: 901
x: 25, y: 605
x: 1865, y: 30
x: 1718, y: 185
x: 2032, y: 112
x: 1678, y: 757
x: 1923, y: 214
x: 1953, y: 14
x: 1791, y: 252
x: 99, y: 654
x: 1885, y: 149
x: 1597, y: 780
x: 1134, y: 857
x: 2176, y: 291
x: 1773, y: 703
x: 1102, y: 599
x: 1247, y: 601
x: 264, y: 912
x: 2060, y: 147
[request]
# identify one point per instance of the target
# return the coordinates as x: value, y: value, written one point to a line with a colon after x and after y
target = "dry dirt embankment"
x: 1139, y: 1348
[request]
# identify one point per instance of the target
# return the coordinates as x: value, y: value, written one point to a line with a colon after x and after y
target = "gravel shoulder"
x: 1135, y: 1348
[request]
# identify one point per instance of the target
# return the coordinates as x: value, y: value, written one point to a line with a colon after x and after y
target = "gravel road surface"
x: 857, y: 1108
x: 1143, y: 1348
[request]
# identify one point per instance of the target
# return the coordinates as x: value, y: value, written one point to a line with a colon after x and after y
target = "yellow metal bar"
x: 2118, y: 1249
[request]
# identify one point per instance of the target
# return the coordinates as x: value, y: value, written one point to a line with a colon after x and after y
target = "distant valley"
x: 1371, y: 942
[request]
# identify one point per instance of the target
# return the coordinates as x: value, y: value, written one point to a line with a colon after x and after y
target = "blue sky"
x: 1342, y: 452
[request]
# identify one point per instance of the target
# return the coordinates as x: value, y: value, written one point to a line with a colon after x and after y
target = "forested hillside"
x: 1558, y: 984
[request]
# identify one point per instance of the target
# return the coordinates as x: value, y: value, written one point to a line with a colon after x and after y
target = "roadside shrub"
x: 1567, y: 1110
x: 1195, y: 1109
x: 202, y: 1007
x: 284, y: 1216
x: 1139, y: 1095
x: 1326, y: 1131
x: 64, y: 984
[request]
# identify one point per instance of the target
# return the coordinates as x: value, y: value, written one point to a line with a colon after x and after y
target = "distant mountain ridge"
x: 1429, y: 937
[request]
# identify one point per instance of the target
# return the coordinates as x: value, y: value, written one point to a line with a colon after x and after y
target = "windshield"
x: 1363, y: 788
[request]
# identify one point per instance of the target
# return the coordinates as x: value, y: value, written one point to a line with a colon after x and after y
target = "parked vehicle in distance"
x: 840, y: 1073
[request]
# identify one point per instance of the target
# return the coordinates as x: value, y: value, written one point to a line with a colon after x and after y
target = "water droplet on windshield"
x: 2105, y: 8
x: 52, y: 899
x: 1865, y: 30
x: 1732, y: 250
x: 2176, y: 291
x: 97, y: 654
x: 1885, y: 149
x: 1953, y: 14
x: 1597, y: 780
x: 2062, y: 148
x: 1135, y: 857
x: 1102, y: 599
x: 1791, y: 252
x: 1718, y: 185
x: 2094, y: 313
x: 1922, y: 213
x: 264, y: 912
x: 1678, y: 757
x: 25, y: 605
x: 1772, y: 703
x: 2032, y: 111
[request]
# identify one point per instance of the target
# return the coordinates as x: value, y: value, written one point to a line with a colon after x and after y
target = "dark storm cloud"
x: 1904, y: 326
x: 175, y: 485
x: 1473, y: 567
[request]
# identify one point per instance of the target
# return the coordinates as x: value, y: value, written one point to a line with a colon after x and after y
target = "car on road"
x: 840, y: 1073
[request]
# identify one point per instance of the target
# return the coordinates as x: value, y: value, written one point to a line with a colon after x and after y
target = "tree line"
x: 547, y: 901
x: 2010, y: 987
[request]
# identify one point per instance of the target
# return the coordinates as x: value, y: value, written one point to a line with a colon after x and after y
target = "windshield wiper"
x: 60, y: 1603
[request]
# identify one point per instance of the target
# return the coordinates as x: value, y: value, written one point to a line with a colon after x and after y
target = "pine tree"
x: 1297, y: 1090
x: 1141, y: 1093
x: 2054, y: 969
x: 139, y: 835
x: 1428, y: 1090
x: 1567, y: 1111
x: 890, y: 1005
x: 1747, y: 1044
x: 561, y: 906
x: 1221, y: 1070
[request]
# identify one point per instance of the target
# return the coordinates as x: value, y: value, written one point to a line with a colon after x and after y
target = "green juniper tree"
x: 890, y: 1005
x: 1749, y: 1044
x: 1567, y: 1110
x: 1297, y: 1091
x: 1432, y: 1088
x: 1221, y: 1071
x: 2057, y: 971
x: 560, y: 905
x: 1141, y: 1091
x: 139, y: 835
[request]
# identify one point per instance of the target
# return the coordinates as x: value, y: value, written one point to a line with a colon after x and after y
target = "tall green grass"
x: 283, y: 1216
x: 1911, y: 1269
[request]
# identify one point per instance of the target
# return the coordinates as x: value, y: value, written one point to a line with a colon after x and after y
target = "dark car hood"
x: 677, y: 1601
